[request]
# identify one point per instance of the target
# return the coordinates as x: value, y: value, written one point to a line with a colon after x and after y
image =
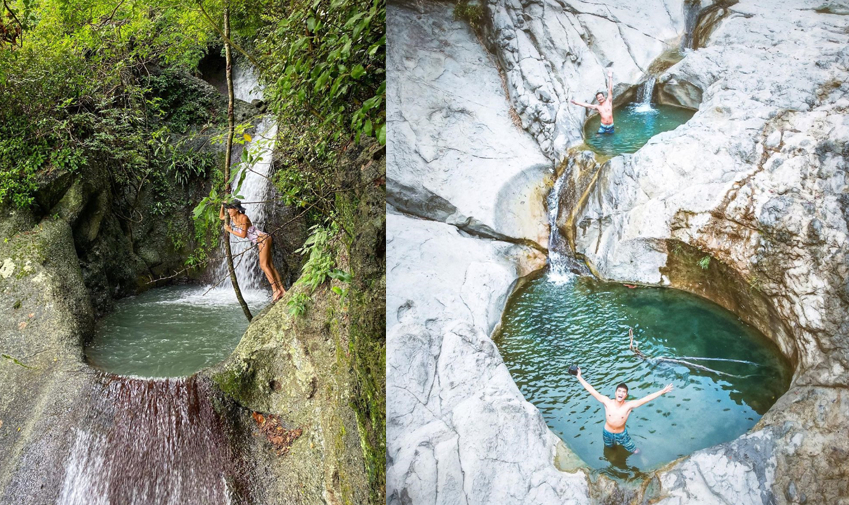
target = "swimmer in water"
x: 616, y: 412
x: 604, y: 107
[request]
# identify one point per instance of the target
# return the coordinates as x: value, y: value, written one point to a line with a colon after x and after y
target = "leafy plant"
x: 704, y: 262
x: 298, y: 304
x: 470, y: 12
x: 318, y: 268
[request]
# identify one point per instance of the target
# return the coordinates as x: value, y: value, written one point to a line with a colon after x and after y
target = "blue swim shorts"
x: 605, y: 128
x: 623, y: 439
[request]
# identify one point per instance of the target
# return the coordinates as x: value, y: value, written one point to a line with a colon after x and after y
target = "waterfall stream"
x: 254, y: 191
x: 646, y: 89
x: 562, y: 264
x: 644, y: 95
x: 149, y: 441
x: 558, y: 250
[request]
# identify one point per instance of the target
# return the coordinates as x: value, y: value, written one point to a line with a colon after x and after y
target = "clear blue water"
x: 550, y: 324
x: 170, y: 332
x: 634, y: 125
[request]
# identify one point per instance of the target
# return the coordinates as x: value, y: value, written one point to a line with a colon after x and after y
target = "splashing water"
x: 149, y: 441
x: 644, y: 94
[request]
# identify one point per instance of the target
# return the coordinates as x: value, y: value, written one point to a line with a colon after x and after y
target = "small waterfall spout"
x: 646, y: 89
x: 644, y: 95
x: 561, y: 263
x: 149, y: 441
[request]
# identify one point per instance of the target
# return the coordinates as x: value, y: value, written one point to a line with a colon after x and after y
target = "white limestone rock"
x: 454, y: 153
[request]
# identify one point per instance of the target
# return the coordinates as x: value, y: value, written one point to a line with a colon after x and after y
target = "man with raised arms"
x: 604, y: 107
x: 616, y: 412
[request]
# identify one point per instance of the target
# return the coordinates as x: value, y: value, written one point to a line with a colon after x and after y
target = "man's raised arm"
x: 598, y: 396
x: 587, y: 105
x: 642, y: 401
x: 610, y: 85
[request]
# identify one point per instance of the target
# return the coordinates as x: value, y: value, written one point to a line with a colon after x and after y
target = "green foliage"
x: 91, y: 85
x: 298, y: 304
x: 320, y: 250
x: 471, y: 13
x: 323, y: 62
x: 704, y: 262
x: 328, y: 61
x: 319, y: 263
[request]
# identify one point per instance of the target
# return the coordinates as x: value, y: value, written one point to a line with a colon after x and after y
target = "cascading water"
x: 562, y: 265
x: 644, y: 94
x: 254, y: 191
x: 149, y: 441
x: 558, y: 258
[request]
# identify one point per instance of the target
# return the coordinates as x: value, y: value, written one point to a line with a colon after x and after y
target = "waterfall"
x: 562, y: 265
x: 149, y: 441
x: 254, y: 191
x: 644, y: 93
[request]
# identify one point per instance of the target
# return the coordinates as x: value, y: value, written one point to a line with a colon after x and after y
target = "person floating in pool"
x: 604, y: 107
x: 242, y: 228
x: 616, y: 412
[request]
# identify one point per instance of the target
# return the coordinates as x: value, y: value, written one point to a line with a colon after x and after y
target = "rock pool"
x: 170, y: 332
x: 550, y: 323
x: 635, y: 124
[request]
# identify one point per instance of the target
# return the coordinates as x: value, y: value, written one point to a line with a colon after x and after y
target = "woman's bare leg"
x: 264, y: 244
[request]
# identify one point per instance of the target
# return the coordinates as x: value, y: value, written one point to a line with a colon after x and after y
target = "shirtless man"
x: 604, y: 107
x: 616, y: 412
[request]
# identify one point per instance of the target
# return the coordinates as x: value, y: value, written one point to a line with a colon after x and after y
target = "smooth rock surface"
x: 454, y: 153
x: 458, y: 429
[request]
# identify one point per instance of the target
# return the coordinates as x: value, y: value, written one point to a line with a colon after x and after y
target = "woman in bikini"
x: 243, y: 228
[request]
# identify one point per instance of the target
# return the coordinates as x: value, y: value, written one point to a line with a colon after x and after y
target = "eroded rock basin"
x: 170, y: 332
x: 552, y: 322
x: 635, y: 124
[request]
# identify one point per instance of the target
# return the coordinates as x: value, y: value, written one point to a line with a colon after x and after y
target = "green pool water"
x: 550, y: 323
x: 170, y: 332
x: 634, y: 125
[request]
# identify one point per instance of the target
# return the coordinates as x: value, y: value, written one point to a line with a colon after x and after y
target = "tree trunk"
x: 230, y: 129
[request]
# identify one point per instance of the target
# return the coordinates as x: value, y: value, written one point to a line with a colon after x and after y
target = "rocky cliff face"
x: 755, y: 182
